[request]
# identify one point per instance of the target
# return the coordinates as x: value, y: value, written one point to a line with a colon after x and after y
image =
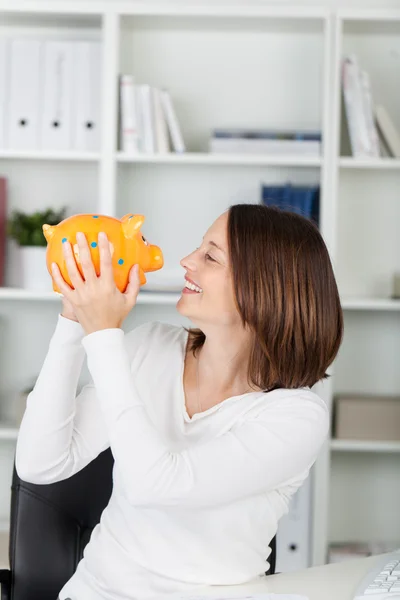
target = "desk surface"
x: 337, y: 581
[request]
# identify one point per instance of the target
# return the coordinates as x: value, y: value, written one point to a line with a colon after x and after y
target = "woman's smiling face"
x: 208, y: 268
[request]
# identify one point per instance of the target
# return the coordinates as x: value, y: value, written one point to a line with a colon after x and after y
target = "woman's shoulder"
x: 289, y: 405
x: 296, y: 399
x: 154, y: 334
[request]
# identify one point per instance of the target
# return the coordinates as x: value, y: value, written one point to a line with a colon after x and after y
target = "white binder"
x: 87, y: 95
x: 24, y: 98
x: 293, y: 539
x: 56, y: 119
x: 145, y: 99
x: 160, y: 124
x: 129, y: 137
x: 4, y: 89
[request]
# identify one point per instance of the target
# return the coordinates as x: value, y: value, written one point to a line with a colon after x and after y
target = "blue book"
x: 265, y: 134
x: 302, y: 200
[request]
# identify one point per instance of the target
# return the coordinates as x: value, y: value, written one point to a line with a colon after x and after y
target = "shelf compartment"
x: 186, y: 46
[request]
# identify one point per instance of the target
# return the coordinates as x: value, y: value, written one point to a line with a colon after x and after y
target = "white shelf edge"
x: 51, y: 7
x: 384, y: 304
x: 205, y: 158
x: 8, y: 432
x: 370, y: 163
x: 364, y: 446
x: 49, y: 155
x: 371, y: 14
x: 144, y: 297
x: 213, y: 10
x: 172, y: 9
x: 4, y: 528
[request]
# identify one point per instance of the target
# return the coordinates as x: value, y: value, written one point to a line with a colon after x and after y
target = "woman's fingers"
x: 61, y: 283
x: 132, y: 291
x: 106, y: 267
x: 72, y: 268
x: 85, y: 257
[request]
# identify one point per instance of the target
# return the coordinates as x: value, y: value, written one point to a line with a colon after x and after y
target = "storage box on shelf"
x: 363, y: 473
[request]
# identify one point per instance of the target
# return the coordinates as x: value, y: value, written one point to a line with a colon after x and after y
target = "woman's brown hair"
x: 286, y: 294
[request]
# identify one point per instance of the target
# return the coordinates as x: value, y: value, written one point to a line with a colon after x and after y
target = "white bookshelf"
x: 365, y: 201
x: 177, y: 45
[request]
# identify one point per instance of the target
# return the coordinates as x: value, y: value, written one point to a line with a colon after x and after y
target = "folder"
x: 129, y: 134
x: 24, y: 99
x: 160, y: 124
x: 4, y: 89
x: 145, y: 97
x: 56, y: 120
x: 87, y: 96
x: 293, y: 538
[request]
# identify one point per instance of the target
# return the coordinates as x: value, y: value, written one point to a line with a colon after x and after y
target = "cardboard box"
x: 366, y: 417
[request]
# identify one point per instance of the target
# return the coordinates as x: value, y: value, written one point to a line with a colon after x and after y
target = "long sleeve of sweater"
x: 254, y: 456
x: 60, y: 432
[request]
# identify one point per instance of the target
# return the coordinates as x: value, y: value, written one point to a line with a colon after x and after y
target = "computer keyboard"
x: 382, y: 581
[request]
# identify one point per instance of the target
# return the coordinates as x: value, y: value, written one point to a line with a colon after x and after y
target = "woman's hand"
x: 67, y: 310
x: 96, y: 301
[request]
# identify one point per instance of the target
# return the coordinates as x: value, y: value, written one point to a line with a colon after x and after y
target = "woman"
x: 212, y: 429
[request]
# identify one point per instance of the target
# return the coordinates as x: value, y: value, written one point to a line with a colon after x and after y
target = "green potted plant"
x: 26, y: 230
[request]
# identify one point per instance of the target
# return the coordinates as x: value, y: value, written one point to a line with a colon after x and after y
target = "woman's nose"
x: 188, y: 262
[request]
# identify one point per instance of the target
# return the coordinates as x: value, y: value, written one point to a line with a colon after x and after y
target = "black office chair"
x: 50, y: 526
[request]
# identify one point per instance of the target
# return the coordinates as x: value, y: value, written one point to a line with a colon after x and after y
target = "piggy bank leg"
x: 143, y: 279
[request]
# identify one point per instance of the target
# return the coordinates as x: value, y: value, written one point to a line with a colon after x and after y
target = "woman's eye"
x: 208, y: 257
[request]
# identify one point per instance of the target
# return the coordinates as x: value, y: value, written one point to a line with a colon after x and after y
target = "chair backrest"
x: 51, y: 525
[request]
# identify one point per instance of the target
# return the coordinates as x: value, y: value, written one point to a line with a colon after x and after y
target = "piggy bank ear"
x: 48, y: 231
x: 131, y: 224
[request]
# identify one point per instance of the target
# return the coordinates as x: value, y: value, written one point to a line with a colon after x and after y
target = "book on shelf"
x: 368, y: 124
x: 265, y: 141
x: 148, y: 121
x: 128, y: 117
x: 302, y: 200
x: 388, y: 130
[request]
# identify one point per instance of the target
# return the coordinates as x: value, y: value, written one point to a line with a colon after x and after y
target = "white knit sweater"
x: 195, y: 501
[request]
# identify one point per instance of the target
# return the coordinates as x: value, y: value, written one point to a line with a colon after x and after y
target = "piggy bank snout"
x: 157, y: 256
x: 154, y: 259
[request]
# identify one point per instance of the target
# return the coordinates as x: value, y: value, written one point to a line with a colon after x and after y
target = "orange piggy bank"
x: 127, y: 244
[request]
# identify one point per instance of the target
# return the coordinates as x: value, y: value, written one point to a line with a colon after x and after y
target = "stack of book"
x: 302, y: 200
x: 366, y: 122
x: 147, y: 119
x: 265, y: 141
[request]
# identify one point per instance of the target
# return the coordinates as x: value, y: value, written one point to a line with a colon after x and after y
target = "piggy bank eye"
x: 145, y: 241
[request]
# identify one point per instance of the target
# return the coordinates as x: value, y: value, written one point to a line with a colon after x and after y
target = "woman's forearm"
x: 47, y: 425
